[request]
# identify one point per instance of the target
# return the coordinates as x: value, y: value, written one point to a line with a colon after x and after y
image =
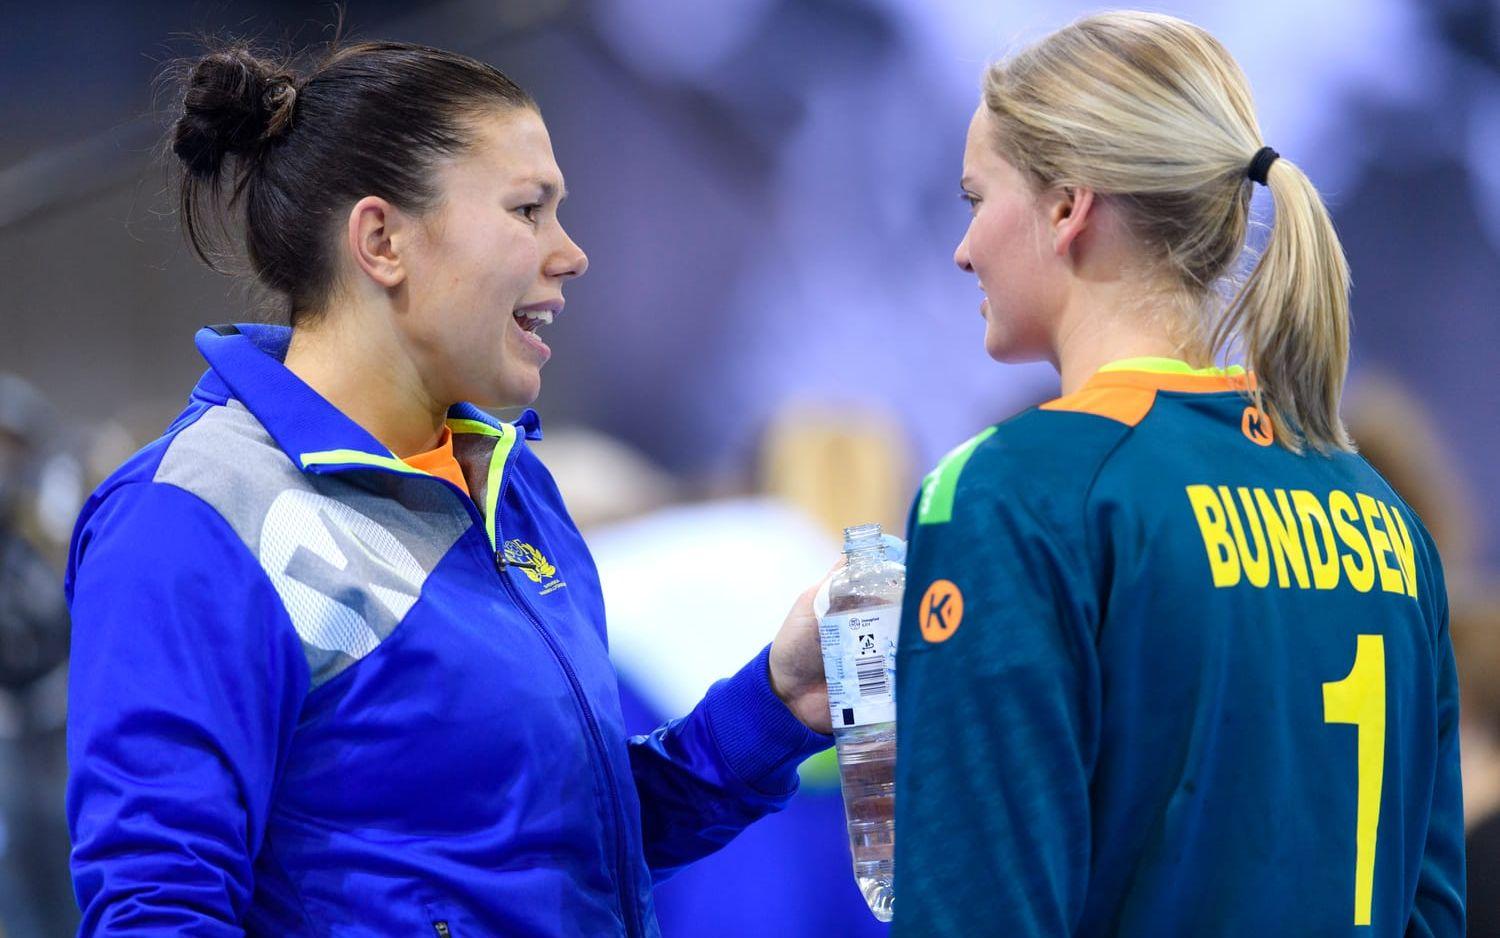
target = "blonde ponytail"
x: 1153, y: 112
x: 1291, y: 316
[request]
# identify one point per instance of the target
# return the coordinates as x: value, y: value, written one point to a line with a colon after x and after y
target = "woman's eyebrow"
x: 548, y: 188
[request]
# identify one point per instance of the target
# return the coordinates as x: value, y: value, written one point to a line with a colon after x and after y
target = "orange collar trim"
x: 1163, y: 381
x: 1160, y: 373
x: 1126, y: 391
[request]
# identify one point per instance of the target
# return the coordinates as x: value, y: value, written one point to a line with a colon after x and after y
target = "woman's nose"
x: 568, y: 260
x: 961, y: 256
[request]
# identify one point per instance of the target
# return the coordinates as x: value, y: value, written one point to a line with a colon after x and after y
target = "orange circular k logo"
x: 941, y: 611
x: 1257, y: 426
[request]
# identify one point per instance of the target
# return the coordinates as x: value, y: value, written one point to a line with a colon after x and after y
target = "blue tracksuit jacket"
x: 315, y: 691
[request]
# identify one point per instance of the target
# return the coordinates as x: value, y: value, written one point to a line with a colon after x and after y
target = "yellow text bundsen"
x: 1302, y: 540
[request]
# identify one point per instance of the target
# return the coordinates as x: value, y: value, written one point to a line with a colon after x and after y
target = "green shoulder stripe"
x: 941, y: 484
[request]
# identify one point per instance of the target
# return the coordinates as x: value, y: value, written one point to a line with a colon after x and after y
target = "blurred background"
x: 772, y: 341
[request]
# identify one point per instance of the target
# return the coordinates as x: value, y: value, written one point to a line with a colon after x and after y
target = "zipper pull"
x: 501, y: 562
x: 442, y: 929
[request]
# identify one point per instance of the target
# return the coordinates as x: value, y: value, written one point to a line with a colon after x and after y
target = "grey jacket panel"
x: 348, y: 553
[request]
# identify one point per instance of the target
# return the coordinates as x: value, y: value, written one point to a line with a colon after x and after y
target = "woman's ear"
x: 374, y: 240
x: 1069, y: 212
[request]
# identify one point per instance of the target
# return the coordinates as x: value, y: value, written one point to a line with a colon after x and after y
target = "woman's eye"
x: 531, y: 211
x: 971, y: 199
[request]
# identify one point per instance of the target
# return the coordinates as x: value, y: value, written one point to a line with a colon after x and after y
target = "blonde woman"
x: 1175, y: 660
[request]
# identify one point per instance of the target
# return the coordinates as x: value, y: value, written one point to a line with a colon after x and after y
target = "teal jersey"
x: 1160, y: 676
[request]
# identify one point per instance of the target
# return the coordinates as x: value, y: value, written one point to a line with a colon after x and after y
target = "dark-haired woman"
x: 339, y: 656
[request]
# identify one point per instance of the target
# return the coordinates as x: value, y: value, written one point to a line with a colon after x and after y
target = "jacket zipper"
x: 626, y: 896
x: 626, y: 883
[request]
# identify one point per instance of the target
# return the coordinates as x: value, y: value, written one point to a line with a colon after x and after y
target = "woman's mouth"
x: 529, y: 320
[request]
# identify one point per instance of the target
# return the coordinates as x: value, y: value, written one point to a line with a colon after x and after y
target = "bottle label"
x: 859, y: 660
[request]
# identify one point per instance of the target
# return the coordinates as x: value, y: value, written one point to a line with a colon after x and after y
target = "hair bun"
x: 233, y: 103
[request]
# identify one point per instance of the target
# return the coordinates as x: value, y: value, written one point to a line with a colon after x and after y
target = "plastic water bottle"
x: 858, y: 635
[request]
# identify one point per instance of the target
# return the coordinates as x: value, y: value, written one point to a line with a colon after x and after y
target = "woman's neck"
x: 1105, y: 325
x: 367, y: 373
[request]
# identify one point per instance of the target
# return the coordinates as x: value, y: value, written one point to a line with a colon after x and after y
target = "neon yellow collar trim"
x: 1171, y: 366
x: 361, y: 458
x: 357, y: 457
x: 461, y: 425
x: 505, y: 439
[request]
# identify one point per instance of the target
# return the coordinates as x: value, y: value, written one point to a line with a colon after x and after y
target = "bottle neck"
x: 865, y: 556
x: 863, y: 545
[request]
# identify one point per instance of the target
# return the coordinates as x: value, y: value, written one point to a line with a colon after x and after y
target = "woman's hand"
x: 797, y: 664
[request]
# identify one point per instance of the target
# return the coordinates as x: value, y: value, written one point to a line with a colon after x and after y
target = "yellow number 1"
x: 1360, y: 699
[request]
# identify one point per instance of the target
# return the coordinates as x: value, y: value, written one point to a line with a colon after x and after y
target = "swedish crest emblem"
x: 533, y: 563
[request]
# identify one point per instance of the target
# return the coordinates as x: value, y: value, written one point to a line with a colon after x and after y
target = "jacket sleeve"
x: 184, y: 685
x: 703, y: 778
x: 996, y: 709
x: 1439, y: 907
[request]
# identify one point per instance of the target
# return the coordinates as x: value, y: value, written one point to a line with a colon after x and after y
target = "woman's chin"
x: 524, y: 394
x: 1002, y: 348
x: 520, y: 392
x: 1013, y: 353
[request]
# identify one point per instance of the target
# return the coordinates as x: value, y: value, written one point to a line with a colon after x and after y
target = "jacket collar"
x: 245, y: 362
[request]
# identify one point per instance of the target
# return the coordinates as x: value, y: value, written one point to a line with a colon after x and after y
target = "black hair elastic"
x: 1260, y: 164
